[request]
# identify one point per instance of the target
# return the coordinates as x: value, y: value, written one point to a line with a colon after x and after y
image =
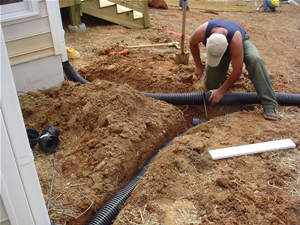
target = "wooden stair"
x: 128, y: 13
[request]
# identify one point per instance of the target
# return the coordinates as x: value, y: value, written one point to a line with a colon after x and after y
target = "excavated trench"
x: 190, y: 109
x: 192, y: 104
x: 196, y: 105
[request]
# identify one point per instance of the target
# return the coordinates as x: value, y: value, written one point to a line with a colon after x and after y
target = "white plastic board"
x: 251, y: 149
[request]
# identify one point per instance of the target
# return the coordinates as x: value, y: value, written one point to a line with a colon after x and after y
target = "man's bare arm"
x: 196, y: 38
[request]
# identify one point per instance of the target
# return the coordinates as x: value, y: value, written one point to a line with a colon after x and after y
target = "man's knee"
x: 253, y: 59
x: 254, y: 62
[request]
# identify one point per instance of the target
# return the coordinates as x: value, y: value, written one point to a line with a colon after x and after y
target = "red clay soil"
x: 109, y: 129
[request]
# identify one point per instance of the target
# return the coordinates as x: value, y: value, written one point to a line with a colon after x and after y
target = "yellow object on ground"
x: 72, y: 53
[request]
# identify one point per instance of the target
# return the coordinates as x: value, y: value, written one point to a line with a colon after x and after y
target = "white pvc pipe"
x: 17, y: 135
x: 223, y: 153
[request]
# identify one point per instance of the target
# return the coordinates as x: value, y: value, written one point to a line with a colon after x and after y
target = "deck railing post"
x: 145, y: 12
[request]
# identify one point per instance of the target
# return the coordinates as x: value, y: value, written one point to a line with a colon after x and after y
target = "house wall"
x: 4, y: 220
x: 34, y: 49
x: 22, y: 200
x: 32, y: 52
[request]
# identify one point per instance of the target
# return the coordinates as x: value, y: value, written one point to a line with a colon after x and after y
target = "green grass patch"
x: 218, y: 6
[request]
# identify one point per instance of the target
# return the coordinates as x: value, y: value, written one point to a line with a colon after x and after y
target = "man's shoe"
x: 270, y: 114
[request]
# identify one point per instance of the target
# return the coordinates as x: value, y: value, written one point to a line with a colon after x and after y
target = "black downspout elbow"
x: 72, y: 74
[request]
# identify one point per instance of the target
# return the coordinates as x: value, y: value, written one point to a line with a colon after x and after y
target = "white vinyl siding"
x: 30, y: 48
x: 29, y: 38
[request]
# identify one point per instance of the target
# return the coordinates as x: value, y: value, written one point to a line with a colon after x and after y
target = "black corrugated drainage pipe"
x: 197, y: 121
x: 110, y: 210
x: 72, y: 74
x: 228, y: 98
x: 197, y: 98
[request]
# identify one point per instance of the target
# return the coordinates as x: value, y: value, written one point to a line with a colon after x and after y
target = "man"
x: 227, y: 41
x: 180, y: 3
x: 269, y: 4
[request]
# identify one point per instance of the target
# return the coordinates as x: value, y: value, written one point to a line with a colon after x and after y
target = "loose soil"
x: 109, y: 129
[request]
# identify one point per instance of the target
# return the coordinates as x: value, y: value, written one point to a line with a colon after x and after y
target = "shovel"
x: 182, y: 58
x: 170, y: 40
x: 170, y: 44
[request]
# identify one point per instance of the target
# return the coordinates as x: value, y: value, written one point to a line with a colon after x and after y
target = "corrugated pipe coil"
x: 197, y: 98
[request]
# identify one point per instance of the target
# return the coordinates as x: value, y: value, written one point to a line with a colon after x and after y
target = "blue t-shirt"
x: 230, y: 26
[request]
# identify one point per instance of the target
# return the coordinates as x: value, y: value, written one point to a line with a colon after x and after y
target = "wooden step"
x: 123, y: 9
x: 105, y: 3
x: 137, y: 15
x: 113, y: 13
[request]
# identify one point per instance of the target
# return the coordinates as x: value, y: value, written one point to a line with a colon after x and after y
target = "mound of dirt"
x: 107, y: 132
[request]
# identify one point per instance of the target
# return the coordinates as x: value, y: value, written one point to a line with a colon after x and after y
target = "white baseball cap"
x: 215, y: 48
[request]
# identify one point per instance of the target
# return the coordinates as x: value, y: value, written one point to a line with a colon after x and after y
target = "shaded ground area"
x: 108, y: 129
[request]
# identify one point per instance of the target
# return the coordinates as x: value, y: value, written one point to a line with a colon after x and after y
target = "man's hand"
x: 199, y: 72
x: 216, y: 96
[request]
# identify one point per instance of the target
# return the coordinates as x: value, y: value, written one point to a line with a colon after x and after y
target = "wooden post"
x: 145, y: 13
x: 75, y: 13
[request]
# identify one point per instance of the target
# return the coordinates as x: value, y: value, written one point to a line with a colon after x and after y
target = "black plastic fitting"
x: 33, y: 137
x: 197, y: 121
x: 48, y: 140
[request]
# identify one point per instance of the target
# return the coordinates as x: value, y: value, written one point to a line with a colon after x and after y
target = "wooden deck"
x: 129, y: 13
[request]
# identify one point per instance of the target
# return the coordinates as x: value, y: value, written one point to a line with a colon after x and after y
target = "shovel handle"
x: 170, y: 44
x: 183, y: 26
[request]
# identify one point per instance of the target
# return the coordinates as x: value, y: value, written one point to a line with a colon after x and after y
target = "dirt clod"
x: 223, y: 182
